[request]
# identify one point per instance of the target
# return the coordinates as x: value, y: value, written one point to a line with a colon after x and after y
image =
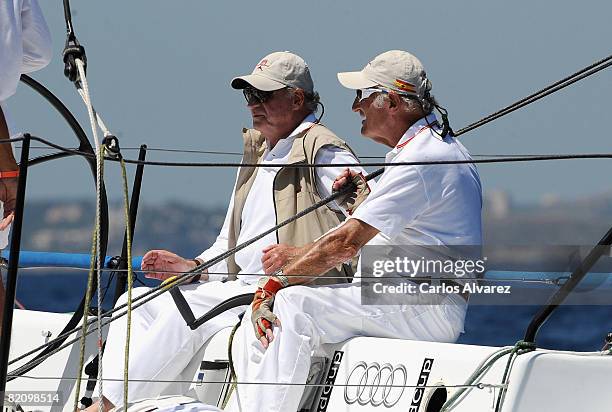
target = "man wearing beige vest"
x: 417, y: 211
x: 281, y: 98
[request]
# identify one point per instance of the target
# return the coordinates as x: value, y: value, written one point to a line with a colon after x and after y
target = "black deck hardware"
x: 603, y: 246
x: 193, y: 323
x: 134, y: 201
x: 11, y: 278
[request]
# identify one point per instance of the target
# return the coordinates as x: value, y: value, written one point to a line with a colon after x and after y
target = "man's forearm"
x: 2, y: 300
x: 317, y: 260
x: 7, y: 160
x: 331, y: 250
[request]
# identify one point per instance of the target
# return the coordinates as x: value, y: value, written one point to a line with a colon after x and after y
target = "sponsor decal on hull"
x: 417, y: 398
x: 330, y: 379
x: 375, y: 384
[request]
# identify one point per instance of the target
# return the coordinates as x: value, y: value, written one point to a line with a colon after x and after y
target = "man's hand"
x: 275, y: 257
x: 8, y: 195
x: 162, y: 264
x: 262, y: 317
x: 351, y: 200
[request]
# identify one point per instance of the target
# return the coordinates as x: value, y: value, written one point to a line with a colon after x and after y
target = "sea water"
x: 581, y: 328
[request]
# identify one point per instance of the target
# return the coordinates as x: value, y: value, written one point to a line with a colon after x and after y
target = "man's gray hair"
x: 311, y: 100
x: 412, y: 103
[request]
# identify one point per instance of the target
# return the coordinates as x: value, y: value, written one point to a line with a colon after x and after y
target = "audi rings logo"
x: 375, y: 384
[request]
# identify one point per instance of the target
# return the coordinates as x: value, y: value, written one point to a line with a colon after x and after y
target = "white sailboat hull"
x: 55, y: 378
x: 362, y: 374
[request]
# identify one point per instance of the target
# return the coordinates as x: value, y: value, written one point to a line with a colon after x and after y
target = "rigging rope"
x: 191, y: 151
x: 497, y: 159
x: 551, y: 281
x: 96, y: 116
x: 571, y: 79
x: 383, y: 164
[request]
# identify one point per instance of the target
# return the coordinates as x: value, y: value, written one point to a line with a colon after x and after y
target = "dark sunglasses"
x: 254, y: 96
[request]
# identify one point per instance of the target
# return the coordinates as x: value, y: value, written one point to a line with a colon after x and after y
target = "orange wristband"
x: 11, y: 173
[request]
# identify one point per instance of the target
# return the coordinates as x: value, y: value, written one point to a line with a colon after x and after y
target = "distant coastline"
x: 65, y: 226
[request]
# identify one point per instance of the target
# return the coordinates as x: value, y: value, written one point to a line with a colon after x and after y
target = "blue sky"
x: 159, y: 73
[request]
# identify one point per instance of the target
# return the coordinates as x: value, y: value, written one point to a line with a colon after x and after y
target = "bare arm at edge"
x: 8, y: 186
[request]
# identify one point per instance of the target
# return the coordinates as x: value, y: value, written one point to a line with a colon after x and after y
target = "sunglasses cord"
x: 446, y: 129
x: 322, y: 112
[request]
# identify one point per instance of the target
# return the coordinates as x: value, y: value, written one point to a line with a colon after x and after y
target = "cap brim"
x: 257, y: 81
x: 355, y: 80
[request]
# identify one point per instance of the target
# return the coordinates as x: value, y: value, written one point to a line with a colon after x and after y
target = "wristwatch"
x: 284, y: 280
x: 197, y: 277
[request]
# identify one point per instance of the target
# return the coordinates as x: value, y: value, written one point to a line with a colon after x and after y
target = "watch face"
x: 284, y: 280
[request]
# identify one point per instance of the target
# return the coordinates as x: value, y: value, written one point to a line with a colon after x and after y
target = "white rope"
x: 99, y: 120
x: 99, y: 159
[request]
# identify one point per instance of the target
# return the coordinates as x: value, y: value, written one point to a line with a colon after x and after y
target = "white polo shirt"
x: 259, y: 214
x: 425, y: 205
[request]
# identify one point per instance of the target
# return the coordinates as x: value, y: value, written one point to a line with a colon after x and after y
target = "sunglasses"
x: 363, y: 94
x: 255, y: 96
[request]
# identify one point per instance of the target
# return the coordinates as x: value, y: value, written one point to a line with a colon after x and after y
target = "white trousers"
x: 161, y: 343
x: 311, y: 316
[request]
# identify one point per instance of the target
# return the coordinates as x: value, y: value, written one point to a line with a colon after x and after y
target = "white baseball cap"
x: 275, y: 71
x: 395, y: 70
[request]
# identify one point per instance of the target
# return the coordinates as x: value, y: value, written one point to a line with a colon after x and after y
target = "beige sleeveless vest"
x: 294, y: 190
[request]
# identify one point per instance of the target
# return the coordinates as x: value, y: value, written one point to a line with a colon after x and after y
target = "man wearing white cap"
x: 25, y: 46
x: 410, y: 205
x: 281, y: 98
